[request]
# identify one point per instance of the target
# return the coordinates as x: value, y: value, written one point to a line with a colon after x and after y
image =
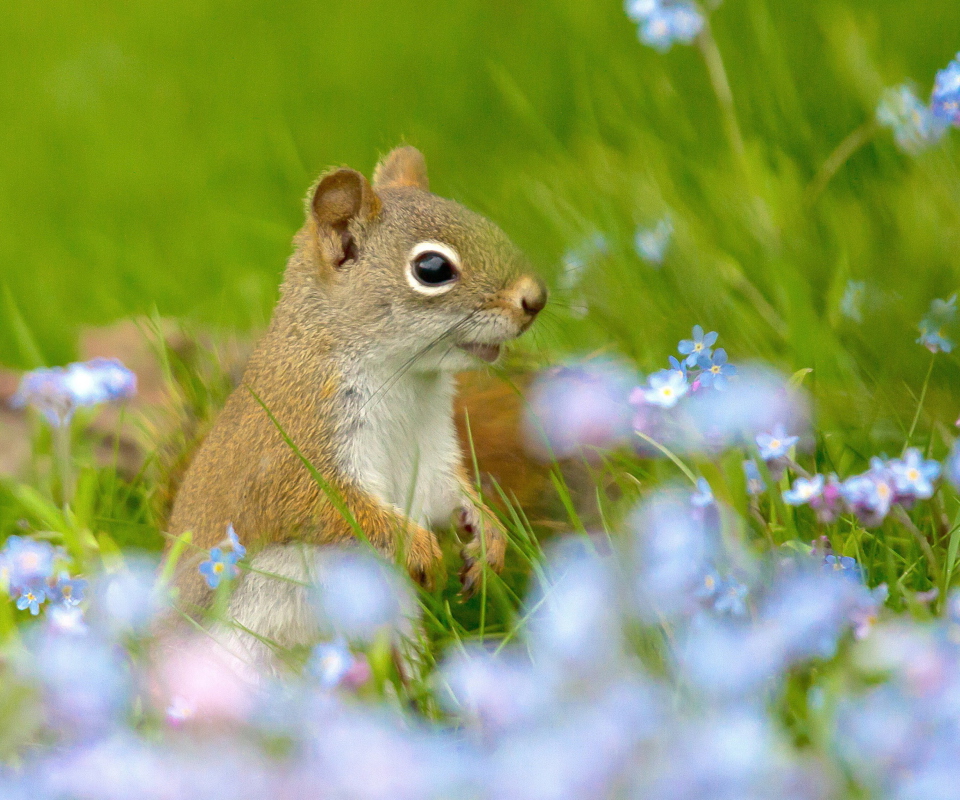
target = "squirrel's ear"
x: 339, y: 198
x: 404, y: 166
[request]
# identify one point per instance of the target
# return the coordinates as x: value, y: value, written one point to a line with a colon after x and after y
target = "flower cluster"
x: 914, y: 124
x: 28, y: 572
x: 661, y: 23
x: 871, y: 494
x: 945, y: 102
x: 702, y: 367
x: 222, y: 564
x: 942, y: 313
x: 58, y: 392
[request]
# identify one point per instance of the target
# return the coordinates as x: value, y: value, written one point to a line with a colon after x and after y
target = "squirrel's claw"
x: 424, y: 558
x: 470, y: 574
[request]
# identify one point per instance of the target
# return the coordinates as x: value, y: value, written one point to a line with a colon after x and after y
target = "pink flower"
x: 198, y: 679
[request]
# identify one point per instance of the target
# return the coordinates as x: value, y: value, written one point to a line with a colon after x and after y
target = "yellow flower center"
x: 218, y: 567
x: 775, y: 444
x: 913, y: 474
x: 883, y: 490
x: 715, y: 369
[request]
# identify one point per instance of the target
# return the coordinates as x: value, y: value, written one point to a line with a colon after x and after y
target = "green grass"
x: 155, y: 157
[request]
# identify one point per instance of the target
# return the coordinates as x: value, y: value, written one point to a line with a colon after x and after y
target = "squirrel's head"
x: 406, y: 274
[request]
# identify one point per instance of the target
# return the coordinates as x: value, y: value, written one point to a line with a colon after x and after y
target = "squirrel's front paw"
x: 424, y: 556
x: 487, y: 538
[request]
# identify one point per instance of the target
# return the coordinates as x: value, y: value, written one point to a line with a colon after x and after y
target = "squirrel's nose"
x: 531, y: 295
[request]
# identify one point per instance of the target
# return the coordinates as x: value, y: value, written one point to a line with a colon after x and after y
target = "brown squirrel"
x: 390, y: 291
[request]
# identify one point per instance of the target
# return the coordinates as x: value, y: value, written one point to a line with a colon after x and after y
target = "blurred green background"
x: 156, y: 154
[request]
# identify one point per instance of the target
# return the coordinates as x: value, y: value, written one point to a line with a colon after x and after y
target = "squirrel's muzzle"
x: 529, y: 294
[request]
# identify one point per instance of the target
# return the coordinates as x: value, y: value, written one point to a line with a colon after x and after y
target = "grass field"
x: 153, y: 162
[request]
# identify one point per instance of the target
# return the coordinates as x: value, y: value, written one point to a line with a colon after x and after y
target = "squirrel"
x: 389, y: 292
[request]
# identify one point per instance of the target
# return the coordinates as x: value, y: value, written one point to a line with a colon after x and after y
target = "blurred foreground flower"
x: 58, y: 392
x: 581, y: 406
x: 360, y: 598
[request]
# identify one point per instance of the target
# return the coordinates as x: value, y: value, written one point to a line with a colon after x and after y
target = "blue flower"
x: 59, y: 391
x: 639, y: 10
x: 941, y: 314
x: 776, y: 444
x: 845, y: 565
x: 68, y: 590
x: 915, y: 127
x: 913, y: 475
x: 698, y: 346
x: 221, y: 565
x: 851, y: 304
x: 651, y: 243
x: 703, y: 496
x: 239, y: 550
x: 871, y: 494
x: 804, y: 490
x: 951, y: 467
x: 716, y: 372
x: 665, y: 388
x: 331, y: 662
x: 755, y: 483
x: 946, y: 93
x: 669, y: 22
x: 709, y: 586
x: 934, y: 340
x: 26, y: 561
x: 32, y: 599
x: 731, y: 599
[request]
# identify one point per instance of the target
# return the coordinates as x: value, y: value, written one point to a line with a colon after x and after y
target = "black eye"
x: 432, y: 269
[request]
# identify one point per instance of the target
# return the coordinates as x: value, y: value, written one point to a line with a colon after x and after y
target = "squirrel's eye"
x: 432, y: 268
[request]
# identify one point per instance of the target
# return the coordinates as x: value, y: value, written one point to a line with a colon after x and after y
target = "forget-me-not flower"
x: 651, y: 243
x: 941, y: 314
x: 731, y: 598
x: 703, y: 496
x: 58, y: 392
x: 715, y: 371
x: 331, y: 662
x: 915, y: 127
x: 698, y: 346
x: 220, y: 566
x: 26, y: 561
x: 755, y: 482
x: 775, y: 444
x: 32, y: 599
x: 804, y: 490
x: 946, y: 93
x: 913, y: 475
x: 669, y: 21
x: 239, y: 550
x: 845, y: 565
x: 665, y: 388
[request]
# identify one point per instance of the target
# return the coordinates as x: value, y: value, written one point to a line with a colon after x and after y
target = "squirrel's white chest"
x: 401, y: 445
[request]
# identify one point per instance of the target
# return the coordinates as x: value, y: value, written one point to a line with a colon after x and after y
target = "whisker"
x: 391, y: 381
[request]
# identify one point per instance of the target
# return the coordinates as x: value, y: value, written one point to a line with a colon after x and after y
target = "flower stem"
x: 721, y: 88
x: 61, y: 454
x: 669, y: 454
x: 916, y: 416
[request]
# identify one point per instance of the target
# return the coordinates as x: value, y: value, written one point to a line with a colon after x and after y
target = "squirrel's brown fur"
x: 345, y: 307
